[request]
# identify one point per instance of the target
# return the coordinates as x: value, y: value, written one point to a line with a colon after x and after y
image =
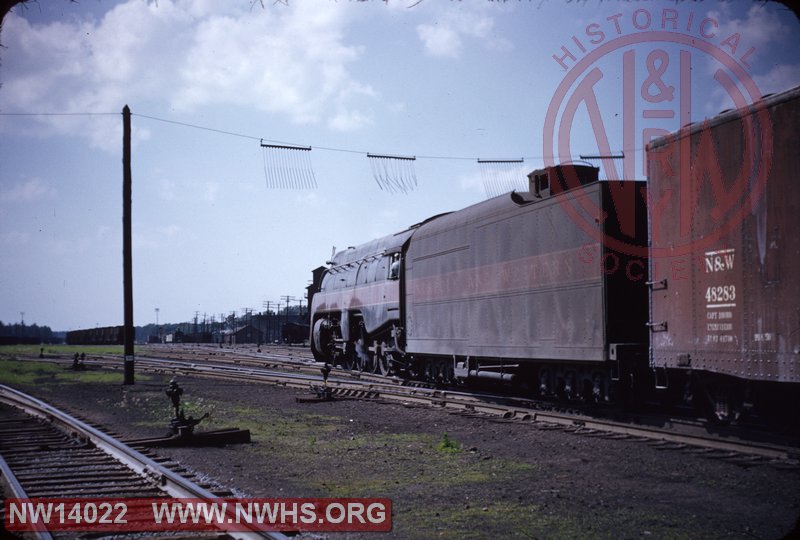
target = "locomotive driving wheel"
x: 350, y: 360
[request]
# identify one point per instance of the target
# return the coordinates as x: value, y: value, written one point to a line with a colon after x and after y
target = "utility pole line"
x: 287, y: 298
x: 247, y: 324
x: 268, y: 338
x: 127, y: 256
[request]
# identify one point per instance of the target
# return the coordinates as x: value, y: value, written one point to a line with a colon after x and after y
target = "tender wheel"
x: 350, y: 359
x: 384, y: 363
x: 374, y: 360
x: 362, y: 358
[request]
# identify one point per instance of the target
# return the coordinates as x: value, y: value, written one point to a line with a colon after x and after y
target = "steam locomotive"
x: 683, y: 286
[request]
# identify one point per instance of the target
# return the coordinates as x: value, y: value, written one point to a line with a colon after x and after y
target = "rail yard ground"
x: 448, y: 475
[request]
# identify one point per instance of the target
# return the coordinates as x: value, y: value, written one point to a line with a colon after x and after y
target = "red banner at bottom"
x: 228, y: 515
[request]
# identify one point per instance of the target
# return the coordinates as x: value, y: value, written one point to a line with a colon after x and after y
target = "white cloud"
x: 292, y: 61
x: 349, y: 120
x: 760, y: 28
x: 445, y: 37
x: 779, y: 78
x: 27, y: 191
x: 760, y: 36
x: 440, y: 40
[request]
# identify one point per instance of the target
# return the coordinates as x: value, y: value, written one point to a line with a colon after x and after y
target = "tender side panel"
x: 732, y: 302
x: 498, y: 280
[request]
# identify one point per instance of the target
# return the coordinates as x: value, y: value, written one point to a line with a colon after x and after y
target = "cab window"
x: 394, y: 266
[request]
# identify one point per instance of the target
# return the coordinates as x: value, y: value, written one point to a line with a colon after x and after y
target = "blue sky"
x: 448, y: 82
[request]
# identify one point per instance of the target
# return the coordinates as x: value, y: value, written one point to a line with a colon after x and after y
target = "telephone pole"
x: 266, y: 304
x: 127, y: 258
x: 287, y: 298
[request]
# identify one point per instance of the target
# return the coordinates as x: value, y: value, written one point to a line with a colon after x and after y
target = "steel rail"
x: 466, y: 402
x: 18, y: 492
x: 478, y: 404
x: 473, y: 402
x: 169, y: 481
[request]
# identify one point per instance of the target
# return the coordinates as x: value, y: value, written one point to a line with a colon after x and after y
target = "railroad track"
x: 45, y: 452
x: 267, y: 368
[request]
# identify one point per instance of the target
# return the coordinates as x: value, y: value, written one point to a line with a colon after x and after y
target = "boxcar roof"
x: 768, y: 101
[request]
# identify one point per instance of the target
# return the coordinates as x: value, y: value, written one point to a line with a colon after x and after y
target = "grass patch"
x: 330, y: 457
x: 448, y: 445
x: 392, y: 455
x: 27, y: 351
x: 31, y: 372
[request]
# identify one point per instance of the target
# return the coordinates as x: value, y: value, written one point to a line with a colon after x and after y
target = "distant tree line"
x: 44, y: 333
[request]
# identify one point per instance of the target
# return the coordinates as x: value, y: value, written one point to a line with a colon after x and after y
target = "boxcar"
x: 104, y: 335
x: 725, y: 255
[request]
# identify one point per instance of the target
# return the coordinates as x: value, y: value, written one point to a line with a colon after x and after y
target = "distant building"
x: 175, y: 337
x: 198, y: 337
x: 243, y: 334
x: 293, y: 332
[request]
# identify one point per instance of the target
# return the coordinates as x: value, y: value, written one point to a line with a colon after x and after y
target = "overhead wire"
x: 288, y: 165
x: 256, y: 138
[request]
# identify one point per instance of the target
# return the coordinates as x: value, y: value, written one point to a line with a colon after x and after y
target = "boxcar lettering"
x: 720, y: 293
x: 719, y: 261
x: 719, y: 327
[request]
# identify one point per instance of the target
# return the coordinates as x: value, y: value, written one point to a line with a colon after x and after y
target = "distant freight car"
x: 106, y: 335
x: 725, y: 303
